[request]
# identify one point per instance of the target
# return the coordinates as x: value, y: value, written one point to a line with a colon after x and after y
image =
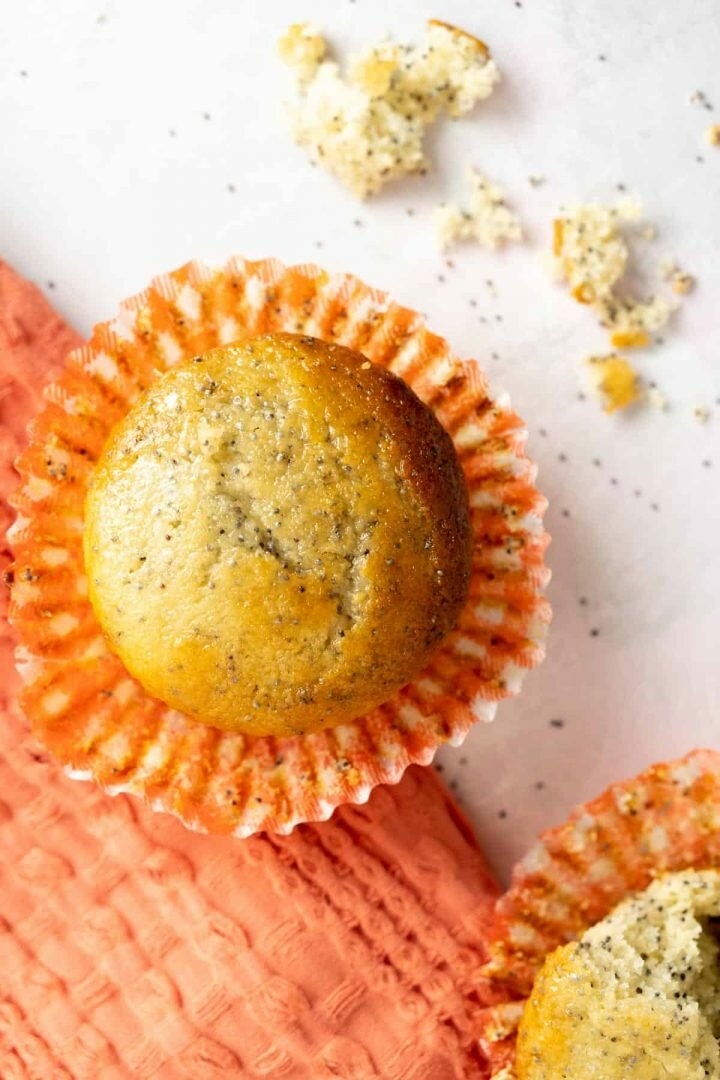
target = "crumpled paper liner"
x: 99, y: 722
x: 665, y: 819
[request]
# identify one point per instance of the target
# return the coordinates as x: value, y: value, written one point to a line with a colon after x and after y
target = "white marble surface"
x: 123, y: 126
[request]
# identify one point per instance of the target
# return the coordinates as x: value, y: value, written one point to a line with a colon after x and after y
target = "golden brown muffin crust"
x: 277, y: 536
x: 638, y: 997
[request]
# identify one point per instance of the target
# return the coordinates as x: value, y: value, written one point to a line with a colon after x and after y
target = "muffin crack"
x: 255, y: 530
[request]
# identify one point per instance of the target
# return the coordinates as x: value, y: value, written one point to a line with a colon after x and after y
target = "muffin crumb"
x: 303, y: 48
x: 700, y: 98
x: 616, y: 381
x: 368, y: 128
x: 487, y: 219
x: 712, y: 135
x: 680, y: 281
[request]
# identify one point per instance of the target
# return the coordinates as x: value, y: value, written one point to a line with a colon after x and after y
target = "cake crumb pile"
x: 592, y: 245
x: 591, y: 254
x: 486, y: 219
x: 680, y: 281
x: 638, y: 996
x: 368, y: 128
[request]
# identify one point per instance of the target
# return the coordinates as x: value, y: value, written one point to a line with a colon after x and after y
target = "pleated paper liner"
x: 99, y: 722
x: 665, y: 819
x: 34, y: 341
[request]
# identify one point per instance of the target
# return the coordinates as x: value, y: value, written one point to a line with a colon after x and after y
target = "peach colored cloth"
x: 130, y: 947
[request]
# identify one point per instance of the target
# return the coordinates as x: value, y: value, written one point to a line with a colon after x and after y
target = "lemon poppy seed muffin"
x: 277, y: 536
x: 638, y: 997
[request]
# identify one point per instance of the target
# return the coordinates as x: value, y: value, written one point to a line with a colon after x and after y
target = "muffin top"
x: 638, y: 997
x: 277, y: 536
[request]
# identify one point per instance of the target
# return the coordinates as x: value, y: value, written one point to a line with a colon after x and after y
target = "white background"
x: 122, y: 127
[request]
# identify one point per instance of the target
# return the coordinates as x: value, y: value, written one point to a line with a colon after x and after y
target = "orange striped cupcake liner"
x: 99, y: 722
x: 665, y: 819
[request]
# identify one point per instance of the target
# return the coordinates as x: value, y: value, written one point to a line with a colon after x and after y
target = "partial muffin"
x: 604, y: 955
x: 638, y: 996
x: 277, y: 536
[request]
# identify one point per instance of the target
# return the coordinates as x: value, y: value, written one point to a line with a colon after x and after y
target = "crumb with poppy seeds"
x: 368, y: 128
